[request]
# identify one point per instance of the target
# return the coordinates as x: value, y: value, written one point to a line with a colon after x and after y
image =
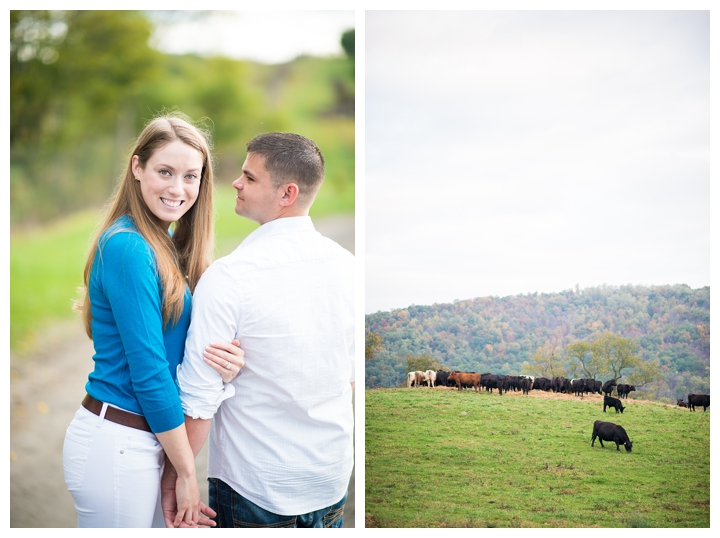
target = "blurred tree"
x: 373, y: 342
x: 347, y: 40
x: 73, y: 72
x: 34, y: 39
x: 420, y: 364
x: 615, y: 354
x: 580, y: 354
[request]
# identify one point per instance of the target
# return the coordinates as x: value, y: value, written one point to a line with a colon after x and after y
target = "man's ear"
x: 290, y: 192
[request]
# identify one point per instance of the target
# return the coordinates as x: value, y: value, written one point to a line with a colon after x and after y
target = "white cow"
x: 415, y: 378
x: 430, y: 378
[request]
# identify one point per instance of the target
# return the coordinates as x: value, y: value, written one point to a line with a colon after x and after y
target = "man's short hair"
x: 291, y: 158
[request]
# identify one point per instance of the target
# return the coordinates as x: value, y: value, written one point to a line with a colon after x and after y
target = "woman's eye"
x: 190, y: 178
x: 165, y: 172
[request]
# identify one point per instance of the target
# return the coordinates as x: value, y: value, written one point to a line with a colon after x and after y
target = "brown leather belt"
x: 118, y: 416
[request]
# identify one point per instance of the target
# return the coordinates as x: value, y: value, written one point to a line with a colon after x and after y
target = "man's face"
x: 257, y: 199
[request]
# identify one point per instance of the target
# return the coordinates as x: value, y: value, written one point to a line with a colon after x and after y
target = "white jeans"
x: 113, y: 473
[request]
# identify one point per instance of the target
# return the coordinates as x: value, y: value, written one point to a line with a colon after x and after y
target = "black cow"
x: 682, y: 403
x: 441, y: 378
x: 608, y: 386
x: 578, y: 387
x: 542, y: 383
x: 495, y: 382
x: 593, y: 386
x: 607, y: 431
x: 609, y: 401
x: 525, y: 385
x: 624, y: 389
x: 699, y: 400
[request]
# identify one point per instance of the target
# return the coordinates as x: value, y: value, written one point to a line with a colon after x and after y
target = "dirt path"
x: 45, y: 392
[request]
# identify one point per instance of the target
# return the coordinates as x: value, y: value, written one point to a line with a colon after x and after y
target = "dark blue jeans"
x: 234, y: 510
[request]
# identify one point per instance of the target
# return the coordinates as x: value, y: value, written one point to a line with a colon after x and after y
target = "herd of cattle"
x: 506, y: 383
x: 604, y: 431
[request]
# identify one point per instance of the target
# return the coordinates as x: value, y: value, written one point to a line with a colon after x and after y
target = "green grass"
x: 436, y: 458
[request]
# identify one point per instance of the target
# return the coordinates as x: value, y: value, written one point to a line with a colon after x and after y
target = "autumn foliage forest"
x: 503, y: 335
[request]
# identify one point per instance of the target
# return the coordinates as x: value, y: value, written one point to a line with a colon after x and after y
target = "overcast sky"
x: 263, y: 36
x: 516, y: 152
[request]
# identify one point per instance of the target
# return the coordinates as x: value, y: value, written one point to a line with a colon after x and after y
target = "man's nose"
x: 238, y: 183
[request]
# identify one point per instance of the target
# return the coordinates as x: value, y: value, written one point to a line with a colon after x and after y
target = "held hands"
x: 169, y: 503
x: 226, y: 359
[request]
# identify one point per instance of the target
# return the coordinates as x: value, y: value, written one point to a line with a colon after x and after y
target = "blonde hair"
x: 182, y: 258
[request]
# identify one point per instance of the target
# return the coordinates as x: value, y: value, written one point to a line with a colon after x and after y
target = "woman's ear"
x: 135, y: 165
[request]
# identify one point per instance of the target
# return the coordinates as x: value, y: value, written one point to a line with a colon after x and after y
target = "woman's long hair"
x: 182, y: 258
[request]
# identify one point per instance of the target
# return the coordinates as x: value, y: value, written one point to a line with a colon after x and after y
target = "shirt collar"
x: 280, y: 226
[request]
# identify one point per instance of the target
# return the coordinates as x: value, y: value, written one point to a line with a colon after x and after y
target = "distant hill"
x: 499, y: 334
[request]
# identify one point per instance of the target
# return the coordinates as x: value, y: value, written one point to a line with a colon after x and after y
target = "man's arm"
x: 197, y: 431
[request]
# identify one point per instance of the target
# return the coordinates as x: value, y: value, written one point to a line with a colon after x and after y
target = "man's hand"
x: 167, y: 494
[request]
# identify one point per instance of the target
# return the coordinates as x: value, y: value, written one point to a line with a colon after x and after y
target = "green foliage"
x: 484, y: 460
x: 420, y: 364
x: 373, y: 342
x: 84, y: 83
x: 502, y: 334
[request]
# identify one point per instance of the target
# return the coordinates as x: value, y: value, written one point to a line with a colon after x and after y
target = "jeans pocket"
x: 334, y: 518
x: 76, y: 449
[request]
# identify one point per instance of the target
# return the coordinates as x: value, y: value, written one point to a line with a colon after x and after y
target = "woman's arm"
x: 177, y: 448
x: 129, y: 280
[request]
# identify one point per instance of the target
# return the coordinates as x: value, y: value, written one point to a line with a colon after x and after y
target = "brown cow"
x: 461, y: 378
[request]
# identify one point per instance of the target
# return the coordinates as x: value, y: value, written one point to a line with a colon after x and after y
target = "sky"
x: 533, y: 151
x: 269, y: 37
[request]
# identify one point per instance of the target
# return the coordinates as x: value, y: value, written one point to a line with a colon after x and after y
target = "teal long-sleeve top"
x: 136, y: 358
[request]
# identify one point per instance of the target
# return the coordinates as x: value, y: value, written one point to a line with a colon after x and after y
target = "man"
x: 280, y: 452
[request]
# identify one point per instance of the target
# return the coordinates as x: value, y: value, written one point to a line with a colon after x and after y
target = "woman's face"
x: 170, y: 181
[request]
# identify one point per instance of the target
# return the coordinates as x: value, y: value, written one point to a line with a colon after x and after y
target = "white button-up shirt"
x: 282, y: 430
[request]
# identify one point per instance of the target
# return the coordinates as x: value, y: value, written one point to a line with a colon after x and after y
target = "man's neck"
x: 287, y: 213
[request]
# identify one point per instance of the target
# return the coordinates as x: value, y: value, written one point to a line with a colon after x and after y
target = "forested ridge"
x: 501, y: 334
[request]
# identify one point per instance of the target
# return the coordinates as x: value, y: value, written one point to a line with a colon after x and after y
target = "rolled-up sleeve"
x: 213, y: 320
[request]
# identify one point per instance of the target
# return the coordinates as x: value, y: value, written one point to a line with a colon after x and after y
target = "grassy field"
x: 439, y: 458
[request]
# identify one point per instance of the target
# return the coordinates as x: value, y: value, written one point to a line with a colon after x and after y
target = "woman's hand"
x: 226, y: 359
x: 188, y: 501
x: 169, y: 502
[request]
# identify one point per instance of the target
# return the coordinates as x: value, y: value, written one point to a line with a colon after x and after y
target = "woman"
x: 138, y: 282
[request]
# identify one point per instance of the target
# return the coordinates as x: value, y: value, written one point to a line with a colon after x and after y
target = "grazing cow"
x: 699, y: 400
x: 607, y: 431
x: 624, y: 389
x: 430, y: 377
x: 609, y: 401
x: 682, y: 403
x: 441, y: 378
x: 609, y: 385
x: 467, y: 379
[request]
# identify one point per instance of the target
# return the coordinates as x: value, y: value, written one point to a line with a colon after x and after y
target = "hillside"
x: 501, y: 334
